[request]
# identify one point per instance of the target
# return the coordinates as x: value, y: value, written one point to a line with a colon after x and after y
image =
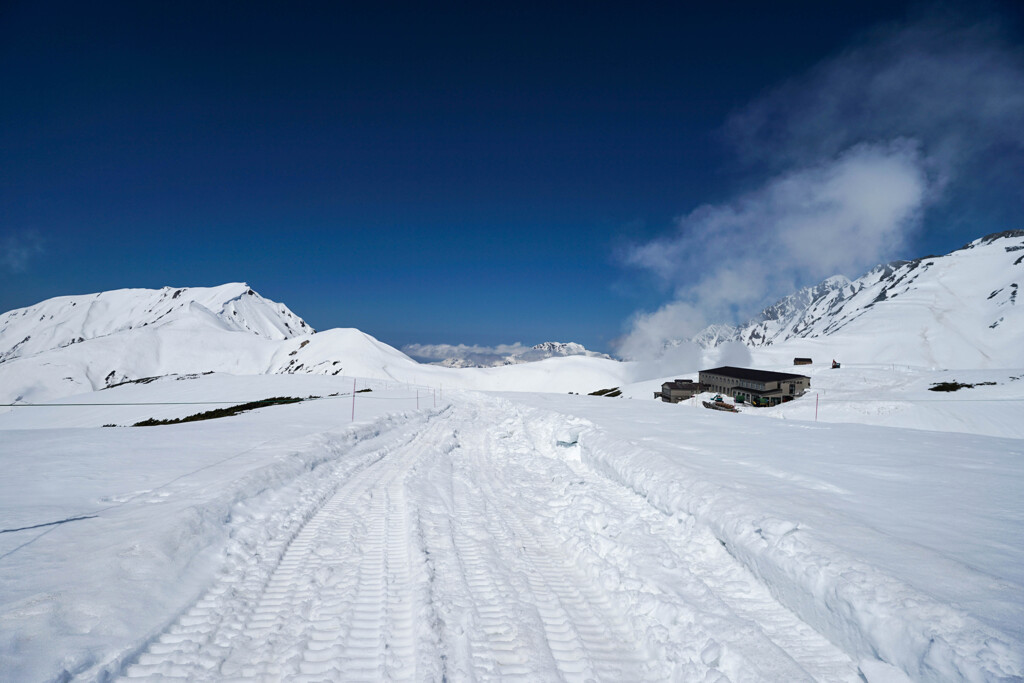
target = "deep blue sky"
x: 464, y: 175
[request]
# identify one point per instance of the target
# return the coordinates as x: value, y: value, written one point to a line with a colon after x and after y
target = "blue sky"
x: 487, y: 175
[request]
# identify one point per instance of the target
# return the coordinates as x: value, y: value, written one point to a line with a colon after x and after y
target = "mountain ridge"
x: 958, y: 310
x: 537, y: 352
x: 79, y: 318
x: 939, y: 284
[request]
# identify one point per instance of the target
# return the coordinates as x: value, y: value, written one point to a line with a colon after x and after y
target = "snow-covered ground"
x: 530, y: 536
x: 887, y: 395
x: 872, y: 530
x: 900, y: 543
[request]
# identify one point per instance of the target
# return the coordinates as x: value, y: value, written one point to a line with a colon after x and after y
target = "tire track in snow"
x: 514, y: 606
x: 587, y: 638
x: 584, y: 634
x: 472, y: 549
x: 338, y: 604
x: 697, y: 610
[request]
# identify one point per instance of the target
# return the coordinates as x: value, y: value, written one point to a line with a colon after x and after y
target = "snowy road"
x: 472, y: 544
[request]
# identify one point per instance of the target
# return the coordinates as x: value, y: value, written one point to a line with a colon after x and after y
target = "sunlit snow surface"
x: 480, y: 536
x: 870, y: 530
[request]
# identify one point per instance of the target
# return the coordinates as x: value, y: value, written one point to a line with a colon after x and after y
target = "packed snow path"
x: 473, y: 545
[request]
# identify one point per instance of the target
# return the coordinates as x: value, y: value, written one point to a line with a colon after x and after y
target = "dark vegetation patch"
x: 363, y: 391
x: 141, y: 380
x: 223, y: 412
x: 609, y: 393
x: 147, y: 380
x: 956, y: 386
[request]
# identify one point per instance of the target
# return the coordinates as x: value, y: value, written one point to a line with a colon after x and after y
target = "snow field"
x: 463, y: 551
x: 160, y: 505
x: 528, y: 537
x: 329, y: 594
x: 878, y: 554
x: 694, y: 612
x: 888, y: 395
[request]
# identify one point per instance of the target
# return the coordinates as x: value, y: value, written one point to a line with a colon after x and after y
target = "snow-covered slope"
x: 789, y: 317
x: 530, y: 535
x: 75, y: 345
x: 957, y: 311
x: 62, y: 321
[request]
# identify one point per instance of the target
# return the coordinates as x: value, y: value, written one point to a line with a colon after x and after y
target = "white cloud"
x: 475, y: 353
x: 853, y: 154
x: 18, y: 249
x: 723, y: 260
x: 733, y: 353
x: 675, y: 320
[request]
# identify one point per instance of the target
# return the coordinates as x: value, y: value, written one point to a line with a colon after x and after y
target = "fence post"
x: 815, y: 407
x: 353, y: 400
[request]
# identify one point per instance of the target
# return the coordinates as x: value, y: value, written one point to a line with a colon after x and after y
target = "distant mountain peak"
x: 473, y: 357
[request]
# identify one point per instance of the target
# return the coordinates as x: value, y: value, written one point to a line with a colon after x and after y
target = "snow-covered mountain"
x: 788, y: 318
x: 62, y: 321
x: 78, y: 344
x: 956, y: 310
x: 533, y: 354
x: 75, y: 344
x: 556, y: 349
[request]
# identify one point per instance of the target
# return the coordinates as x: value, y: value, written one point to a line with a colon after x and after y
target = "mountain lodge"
x: 745, y: 384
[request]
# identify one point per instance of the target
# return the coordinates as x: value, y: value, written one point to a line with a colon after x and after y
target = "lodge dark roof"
x: 752, y: 375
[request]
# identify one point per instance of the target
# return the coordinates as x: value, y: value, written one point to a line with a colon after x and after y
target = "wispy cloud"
x: 955, y: 87
x: 18, y: 249
x: 852, y: 155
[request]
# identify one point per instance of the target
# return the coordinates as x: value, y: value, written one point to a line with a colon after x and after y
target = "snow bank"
x: 867, y: 612
x: 899, y: 546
